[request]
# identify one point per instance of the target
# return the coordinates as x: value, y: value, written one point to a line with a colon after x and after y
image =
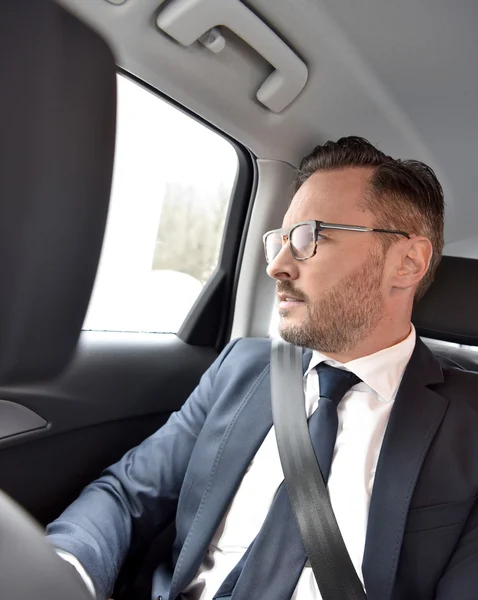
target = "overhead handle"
x: 187, y: 21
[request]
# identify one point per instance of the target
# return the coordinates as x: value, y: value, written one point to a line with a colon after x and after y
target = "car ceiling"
x: 402, y: 74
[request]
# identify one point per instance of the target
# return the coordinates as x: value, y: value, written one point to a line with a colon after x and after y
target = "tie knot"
x: 335, y: 383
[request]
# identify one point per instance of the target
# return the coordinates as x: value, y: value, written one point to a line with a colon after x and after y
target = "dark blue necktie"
x: 271, y: 566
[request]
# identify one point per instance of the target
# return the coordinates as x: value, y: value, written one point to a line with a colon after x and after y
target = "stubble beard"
x: 346, y: 314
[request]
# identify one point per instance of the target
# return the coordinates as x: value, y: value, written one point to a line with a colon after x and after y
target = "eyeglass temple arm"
x: 321, y: 225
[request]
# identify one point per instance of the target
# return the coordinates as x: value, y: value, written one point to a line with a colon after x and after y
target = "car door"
x: 160, y: 310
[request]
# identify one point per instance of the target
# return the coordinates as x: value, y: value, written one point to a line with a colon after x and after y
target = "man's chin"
x: 292, y: 315
x: 290, y: 326
x: 294, y: 334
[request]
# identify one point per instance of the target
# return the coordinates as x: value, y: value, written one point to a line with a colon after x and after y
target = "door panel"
x: 119, y: 388
x: 167, y: 225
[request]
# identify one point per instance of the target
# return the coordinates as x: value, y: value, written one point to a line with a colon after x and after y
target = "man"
x: 360, y: 244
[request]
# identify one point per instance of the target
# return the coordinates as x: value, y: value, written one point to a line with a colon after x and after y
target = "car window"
x: 172, y: 183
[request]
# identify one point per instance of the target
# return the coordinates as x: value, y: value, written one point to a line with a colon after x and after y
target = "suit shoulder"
x: 461, y: 386
x: 458, y: 375
x: 242, y: 363
x: 250, y: 351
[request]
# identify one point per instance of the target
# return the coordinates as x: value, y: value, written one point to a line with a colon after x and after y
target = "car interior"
x: 148, y: 145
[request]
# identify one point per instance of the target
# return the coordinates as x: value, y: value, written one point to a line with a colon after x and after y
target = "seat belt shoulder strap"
x: 330, y: 561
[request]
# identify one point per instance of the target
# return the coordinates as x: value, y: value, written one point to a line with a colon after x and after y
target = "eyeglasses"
x: 303, y: 237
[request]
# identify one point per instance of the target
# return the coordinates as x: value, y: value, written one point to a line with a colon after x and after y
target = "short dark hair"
x: 404, y: 194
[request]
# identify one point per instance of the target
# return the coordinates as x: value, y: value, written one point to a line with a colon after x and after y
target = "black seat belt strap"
x: 333, y: 569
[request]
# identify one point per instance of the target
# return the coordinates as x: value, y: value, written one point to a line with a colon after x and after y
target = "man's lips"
x: 288, y: 300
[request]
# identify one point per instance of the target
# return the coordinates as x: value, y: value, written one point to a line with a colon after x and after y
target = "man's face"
x: 338, y: 292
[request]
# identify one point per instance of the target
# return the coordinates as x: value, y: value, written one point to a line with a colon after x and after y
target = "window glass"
x: 172, y: 183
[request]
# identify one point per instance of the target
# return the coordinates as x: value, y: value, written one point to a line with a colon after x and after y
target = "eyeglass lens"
x: 302, y: 239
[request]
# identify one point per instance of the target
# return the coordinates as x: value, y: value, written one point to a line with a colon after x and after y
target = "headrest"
x: 57, y: 123
x: 448, y: 311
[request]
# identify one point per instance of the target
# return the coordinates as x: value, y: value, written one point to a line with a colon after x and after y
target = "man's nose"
x: 284, y: 266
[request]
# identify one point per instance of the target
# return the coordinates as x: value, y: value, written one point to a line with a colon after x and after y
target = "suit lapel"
x: 414, y: 421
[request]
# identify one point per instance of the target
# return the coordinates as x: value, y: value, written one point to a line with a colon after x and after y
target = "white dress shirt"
x: 363, y: 416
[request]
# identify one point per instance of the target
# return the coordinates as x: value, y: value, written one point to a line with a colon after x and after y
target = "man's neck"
x: 376, y: 341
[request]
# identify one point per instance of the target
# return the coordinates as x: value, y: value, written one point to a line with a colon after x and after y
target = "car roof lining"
x: 404, y: 75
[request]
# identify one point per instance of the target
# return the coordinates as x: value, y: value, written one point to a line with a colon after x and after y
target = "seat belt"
x: 318, y: 527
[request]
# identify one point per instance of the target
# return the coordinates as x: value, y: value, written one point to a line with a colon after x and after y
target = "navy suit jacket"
x: 422, y: 537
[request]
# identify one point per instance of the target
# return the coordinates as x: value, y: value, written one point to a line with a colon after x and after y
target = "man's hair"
x: 404, y: 195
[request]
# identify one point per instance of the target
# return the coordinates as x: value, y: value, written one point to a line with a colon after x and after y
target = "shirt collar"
x: 382, y: 371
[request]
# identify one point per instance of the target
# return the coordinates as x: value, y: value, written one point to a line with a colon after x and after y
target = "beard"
x: 344, y: 316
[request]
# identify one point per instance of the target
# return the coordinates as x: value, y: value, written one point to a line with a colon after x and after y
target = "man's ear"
x: 412, y: 262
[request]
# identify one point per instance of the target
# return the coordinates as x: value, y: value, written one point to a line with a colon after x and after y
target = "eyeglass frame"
x: 319, y: 226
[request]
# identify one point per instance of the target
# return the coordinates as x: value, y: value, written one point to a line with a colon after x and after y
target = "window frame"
x: 209, y: 321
